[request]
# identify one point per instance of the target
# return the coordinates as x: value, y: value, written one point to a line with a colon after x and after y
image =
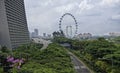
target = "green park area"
x: 53, y: 59
x: 100, y: 55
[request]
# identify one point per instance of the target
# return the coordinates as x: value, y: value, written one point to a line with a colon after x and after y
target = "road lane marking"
x: 83, y: 67
x: 77, y: 67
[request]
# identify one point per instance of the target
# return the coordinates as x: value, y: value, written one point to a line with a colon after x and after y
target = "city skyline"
x: 93, y: 16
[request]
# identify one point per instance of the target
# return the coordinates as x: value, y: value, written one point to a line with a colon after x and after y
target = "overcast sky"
x: 93, y: 16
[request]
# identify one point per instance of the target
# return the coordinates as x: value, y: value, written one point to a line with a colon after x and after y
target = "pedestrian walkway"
x: 42, y: 41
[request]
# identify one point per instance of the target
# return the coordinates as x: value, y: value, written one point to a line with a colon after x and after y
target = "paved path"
x: 45, y: 44
x: 42, y: 41
x: 79, y: 65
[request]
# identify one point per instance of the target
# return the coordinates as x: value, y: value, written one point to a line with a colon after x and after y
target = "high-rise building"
x: 13, y: 24
x: 44, y: 34
x: 36, y: 32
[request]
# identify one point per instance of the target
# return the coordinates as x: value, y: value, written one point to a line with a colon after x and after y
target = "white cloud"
x: 79, y: 7
x: 49, y: 2
x: 84, y: 5
x: 66, y: 8
x: 116, y: 17
x: 109, y: 2
x: 45, y: 14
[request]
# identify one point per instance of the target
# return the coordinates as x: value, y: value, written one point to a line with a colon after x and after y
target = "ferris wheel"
x: 69, y: 29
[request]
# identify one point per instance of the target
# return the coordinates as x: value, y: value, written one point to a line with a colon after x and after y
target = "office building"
x: 35, y: 34
x: 13, y: 24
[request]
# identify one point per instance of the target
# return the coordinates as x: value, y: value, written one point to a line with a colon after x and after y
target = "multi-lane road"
x: 79, y: 65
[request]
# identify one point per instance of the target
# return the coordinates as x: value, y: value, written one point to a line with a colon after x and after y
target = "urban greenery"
x: 12, y: 60
x: 100, y: 55
x: 53, y: 59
